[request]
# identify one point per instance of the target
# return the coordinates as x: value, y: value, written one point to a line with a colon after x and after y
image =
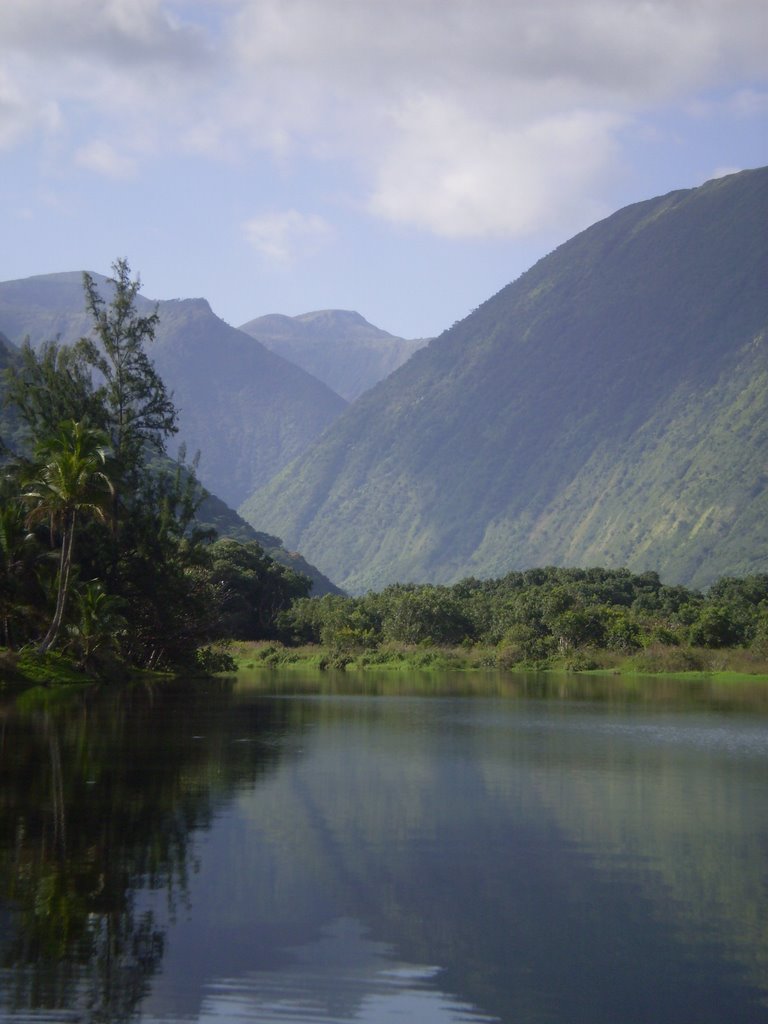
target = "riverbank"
x: 55, y: 670
x: 27, y: 668
x: 736, y: 664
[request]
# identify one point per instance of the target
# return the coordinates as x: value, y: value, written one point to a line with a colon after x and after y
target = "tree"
x: 716, y: 626
x: 139, y: 410
x: 98, y: 623
x: 50, y: 386
x: 254, y: 588
x: 69, y: 480
x: 153, y: 563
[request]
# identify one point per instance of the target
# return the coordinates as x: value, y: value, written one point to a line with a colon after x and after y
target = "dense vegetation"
x: 607, y: 408
x: 100, y: 552
x: 537, y: 618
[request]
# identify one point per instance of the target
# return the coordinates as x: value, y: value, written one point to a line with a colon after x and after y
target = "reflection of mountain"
x: 675, y: 825
x: 187, y: 853
x: 482, y: 839
x: 98, y: 803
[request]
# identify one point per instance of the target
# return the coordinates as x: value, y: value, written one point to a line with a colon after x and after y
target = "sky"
x: 402, y: 158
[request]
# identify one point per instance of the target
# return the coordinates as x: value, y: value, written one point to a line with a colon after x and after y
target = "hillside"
x: 337, y: 346
x: 608, y: 407
x: 247, y: 410
x: 213, y: 512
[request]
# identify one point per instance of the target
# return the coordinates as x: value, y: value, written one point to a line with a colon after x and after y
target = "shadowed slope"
x: 607, y: 407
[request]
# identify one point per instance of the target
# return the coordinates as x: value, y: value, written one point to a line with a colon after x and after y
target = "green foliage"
x: 210, y: 660
x: 97, y: 497
x: 48, y: 387
x: 97, y: 625
x: 254, y: 589
x: 248, y: 411
x: 537, y: 618
x: 20, y: 555
x: 715, y: 626
x: 423, y: 614
x: 66, y: 481
x: 138, y: 409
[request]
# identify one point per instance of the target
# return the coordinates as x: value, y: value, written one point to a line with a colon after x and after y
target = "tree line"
x: 100, y: 552
x: 534, y: 616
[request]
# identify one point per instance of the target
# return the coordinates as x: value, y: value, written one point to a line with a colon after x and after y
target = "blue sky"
x: 404, y: 158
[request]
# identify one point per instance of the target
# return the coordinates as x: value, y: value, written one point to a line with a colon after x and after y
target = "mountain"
x: 213, y: 512
x: 608, y: 407
x: 337, y: 346
x: 246, y: 409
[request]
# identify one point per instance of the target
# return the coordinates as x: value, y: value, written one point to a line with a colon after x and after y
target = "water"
x: 526, y: 852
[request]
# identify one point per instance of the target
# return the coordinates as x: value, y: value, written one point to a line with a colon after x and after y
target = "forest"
x: 102, y: 560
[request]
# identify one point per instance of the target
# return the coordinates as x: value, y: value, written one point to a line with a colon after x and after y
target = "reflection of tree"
x: 99, y: 801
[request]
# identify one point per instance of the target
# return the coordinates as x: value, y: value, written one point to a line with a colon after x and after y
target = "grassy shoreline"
x: 731, y: 664
x: 24, y: 669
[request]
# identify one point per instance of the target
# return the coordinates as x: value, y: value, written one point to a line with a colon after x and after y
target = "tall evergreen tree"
x: 49, y: 386
x: 139, y: 410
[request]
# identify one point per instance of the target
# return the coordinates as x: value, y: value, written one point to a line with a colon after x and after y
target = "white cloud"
x: 458, y: 176
x: 281, y: 237
x: 102, y: 158
x: 460, y: 116
x: 22, y: 116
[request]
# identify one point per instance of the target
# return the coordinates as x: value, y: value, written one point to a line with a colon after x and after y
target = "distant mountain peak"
x: 339, y: 346
x: 336, y: 317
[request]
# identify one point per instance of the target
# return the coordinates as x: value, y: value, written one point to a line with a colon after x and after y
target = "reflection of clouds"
x: 343, y: 976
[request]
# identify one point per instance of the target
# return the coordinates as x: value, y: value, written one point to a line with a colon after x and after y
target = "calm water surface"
x: 532, y: 851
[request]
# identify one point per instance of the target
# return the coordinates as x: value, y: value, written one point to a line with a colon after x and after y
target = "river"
x: 296, y: 848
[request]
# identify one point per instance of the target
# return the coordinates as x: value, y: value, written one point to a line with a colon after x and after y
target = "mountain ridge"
x: 245, y: 408
x: 525, y: 434
x: 338, y: 346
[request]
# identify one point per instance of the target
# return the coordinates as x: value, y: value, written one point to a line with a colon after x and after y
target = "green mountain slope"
x: 610, y: 406
x: 247, y: 410
x: 213, y: 512
x: 337, y: 346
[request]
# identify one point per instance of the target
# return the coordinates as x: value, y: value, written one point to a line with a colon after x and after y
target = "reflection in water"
x: 342, y: 976
x: 100, y: 798
x: 216, y: 855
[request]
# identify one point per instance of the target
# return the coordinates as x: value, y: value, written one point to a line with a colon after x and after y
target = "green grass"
x: 28, y: 666
x: 732, y: 664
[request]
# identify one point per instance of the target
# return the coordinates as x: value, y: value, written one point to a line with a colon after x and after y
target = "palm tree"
x: 68, y: 479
